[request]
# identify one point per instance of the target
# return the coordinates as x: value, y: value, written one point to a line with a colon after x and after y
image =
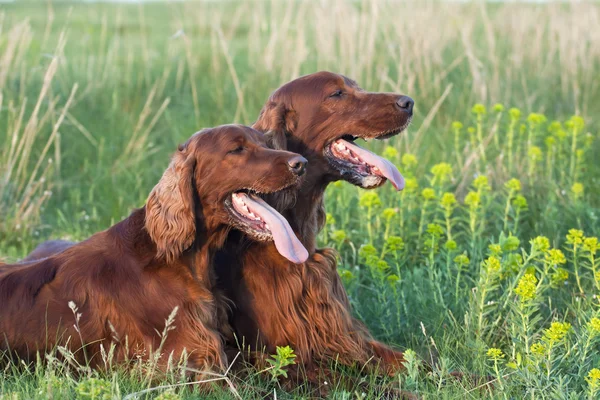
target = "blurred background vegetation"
x: 94, y: 97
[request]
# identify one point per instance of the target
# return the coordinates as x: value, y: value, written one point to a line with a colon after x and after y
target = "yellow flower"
x: 451, y: 245
x: 540, y: 244
x: 411, y: 185
x: 461, y: 260
x: 536, y: 119
x: 514, y: 185
x: 526, y: 287
x: 515, y: 114
x: 394, y: 243
x: 442, y: 172
x: 561, y: 134
x: 495, y: 354
x: 590, y: 245
x: 511, y: 243
x: 538, y: 349
x: 520, y: 202
x: 554, y: 126
x: 473, y: 200
x: 481, y: 183
x: 369, y: 199
x: 428, y: 194
x: 550, y: 142
x: 390, y: 152
x: 495, y: 249
x: 393, y: 279
x: 94, y: 388
x: 345, y: 274
x: 535, y: 154
x: 367, y: 250
x: 492, y: 264
x: 382, y: 265
x: 556, y: 257
x: 498, y: 107
x: 594, y: 326
x: 557, y: 332
x: 457, y: 125
x: 448, y: 200
x: 338, y: 235
x: 575, y: 237
x: 409, y: 160
x: 435, y: 230
x: 559, y: 276
x: 478, y: 109
x: 576, y: 123
x: 329, y: 219
x: 389, y: 213
x: 577, y: 190
x: 593, y: 378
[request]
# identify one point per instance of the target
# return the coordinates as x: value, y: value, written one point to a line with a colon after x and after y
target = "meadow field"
x: 489, y: 259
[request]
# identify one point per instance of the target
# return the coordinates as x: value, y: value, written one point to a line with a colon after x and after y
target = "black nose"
x: 405, y: 103
x: 297, y: 165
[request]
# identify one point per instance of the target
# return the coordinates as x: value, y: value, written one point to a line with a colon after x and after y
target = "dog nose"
x: 297, y: 165
x: 405, y: 103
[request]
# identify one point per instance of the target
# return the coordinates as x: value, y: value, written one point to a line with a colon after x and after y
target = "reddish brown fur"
x: 133, y: 275
x: 277, y: 303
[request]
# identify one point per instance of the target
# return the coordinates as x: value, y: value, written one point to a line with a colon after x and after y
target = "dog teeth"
x: 254, y: 216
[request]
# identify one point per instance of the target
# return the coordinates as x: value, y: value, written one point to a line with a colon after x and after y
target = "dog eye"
x: 337, y: 93
x: 237, y: 150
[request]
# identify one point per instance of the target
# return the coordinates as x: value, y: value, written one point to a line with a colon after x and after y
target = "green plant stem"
x: 509, y: 144
x: 483, y: 294
x: 480, y: 138
x: 422, y: 219
x: 573, y: 155
x: 511, y: 193
x: 576, y: 267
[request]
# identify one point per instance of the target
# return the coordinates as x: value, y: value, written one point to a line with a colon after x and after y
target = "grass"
x: 487, y: 258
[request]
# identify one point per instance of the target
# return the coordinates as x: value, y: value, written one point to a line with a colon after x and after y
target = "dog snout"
x: 405, y: 103
x: 297, y: 165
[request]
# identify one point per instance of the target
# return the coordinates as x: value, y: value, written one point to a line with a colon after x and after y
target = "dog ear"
x: 278, y: 122
x: 170, y: 214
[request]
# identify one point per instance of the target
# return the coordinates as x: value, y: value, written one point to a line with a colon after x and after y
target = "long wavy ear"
x: 170, y: 214
x: 278, y: 122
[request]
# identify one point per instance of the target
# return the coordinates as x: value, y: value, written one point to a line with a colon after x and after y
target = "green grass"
x: 94, y: 98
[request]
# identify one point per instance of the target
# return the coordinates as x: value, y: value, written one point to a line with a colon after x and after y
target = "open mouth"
x: 262, y: 222
x: 360, y: 166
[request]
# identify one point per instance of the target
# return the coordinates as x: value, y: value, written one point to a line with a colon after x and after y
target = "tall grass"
x: 93, y: 98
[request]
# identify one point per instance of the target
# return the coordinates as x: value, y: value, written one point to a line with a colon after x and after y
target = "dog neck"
x: 133, y: 235
x: 307, y: 216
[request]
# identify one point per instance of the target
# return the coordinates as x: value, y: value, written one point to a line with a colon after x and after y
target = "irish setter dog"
x: 278, y: 303
x: 120, y: 286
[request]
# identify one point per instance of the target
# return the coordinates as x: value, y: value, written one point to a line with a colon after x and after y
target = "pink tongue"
x: 388, y: 170
x: 284, y: 237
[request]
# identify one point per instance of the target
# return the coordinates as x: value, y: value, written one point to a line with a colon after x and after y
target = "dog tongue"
x: 284, y: 237
x: 386, y: 168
